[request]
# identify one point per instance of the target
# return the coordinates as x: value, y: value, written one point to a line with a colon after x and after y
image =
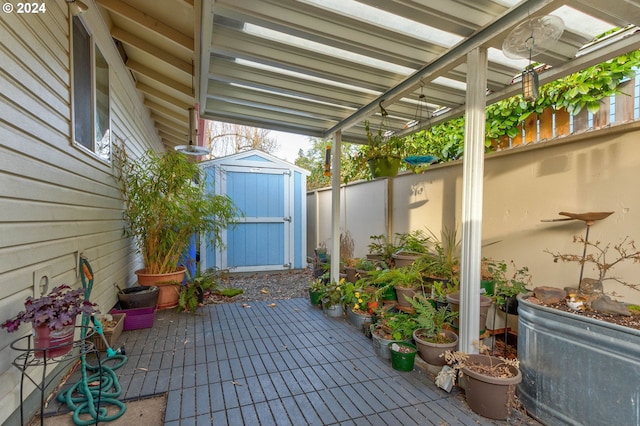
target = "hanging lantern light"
x: 530, y: 76
x: 530, y: 84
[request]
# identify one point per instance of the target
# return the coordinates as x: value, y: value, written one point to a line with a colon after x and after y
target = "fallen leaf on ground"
x: 272, y: 305
x: 264, y: 291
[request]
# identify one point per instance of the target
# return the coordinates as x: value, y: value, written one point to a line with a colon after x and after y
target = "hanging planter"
x: 381, y: 167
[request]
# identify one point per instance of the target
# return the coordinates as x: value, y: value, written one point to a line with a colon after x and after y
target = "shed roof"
x: 254, y: 157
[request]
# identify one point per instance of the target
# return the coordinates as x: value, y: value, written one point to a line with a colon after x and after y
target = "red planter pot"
x: 56, y: 342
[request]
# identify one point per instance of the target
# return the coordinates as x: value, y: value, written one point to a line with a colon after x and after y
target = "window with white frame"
x: 91, y: 119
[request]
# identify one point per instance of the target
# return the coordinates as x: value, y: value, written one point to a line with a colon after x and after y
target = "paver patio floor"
x: 286, y: 364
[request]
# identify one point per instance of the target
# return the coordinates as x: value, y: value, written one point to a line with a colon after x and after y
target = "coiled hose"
x: 94, y: 392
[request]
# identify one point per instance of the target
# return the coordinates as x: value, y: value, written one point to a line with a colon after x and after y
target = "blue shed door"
x: 261, y: 240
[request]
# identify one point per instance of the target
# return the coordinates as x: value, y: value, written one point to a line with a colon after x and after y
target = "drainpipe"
x: 335, y: 206
x: 472, y: 187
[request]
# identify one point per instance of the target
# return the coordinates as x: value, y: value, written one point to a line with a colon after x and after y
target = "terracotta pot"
x: 430, y: 352
x: 487, y: 395
x: 56, y: 342
x: 168, y: 284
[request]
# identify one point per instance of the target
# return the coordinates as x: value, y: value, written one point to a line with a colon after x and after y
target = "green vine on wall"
x: 583, y: 89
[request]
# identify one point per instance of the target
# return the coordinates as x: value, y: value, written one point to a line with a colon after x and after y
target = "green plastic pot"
x: 384, y: 166
x: 402, y: 361
x: 389, y: 294
x: 315, y: 297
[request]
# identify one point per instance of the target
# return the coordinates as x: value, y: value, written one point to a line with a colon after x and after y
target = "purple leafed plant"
x: 56, y: 309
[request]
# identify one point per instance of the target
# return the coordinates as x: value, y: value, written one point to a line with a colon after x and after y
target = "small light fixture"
x: 530, y: 84
x: 76, y: 7
x: 192, y: 149
x: 530, y: 76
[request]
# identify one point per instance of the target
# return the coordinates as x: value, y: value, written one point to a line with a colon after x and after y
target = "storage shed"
x: 271, y: 194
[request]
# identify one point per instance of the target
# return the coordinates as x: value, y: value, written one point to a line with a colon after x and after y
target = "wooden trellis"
x: 556, y: 123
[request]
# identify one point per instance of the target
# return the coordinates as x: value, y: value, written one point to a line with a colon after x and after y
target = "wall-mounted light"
x: 530, y: 84
x: 76, y: 7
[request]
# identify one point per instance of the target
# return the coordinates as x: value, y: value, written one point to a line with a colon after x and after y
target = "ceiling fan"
x: 530, y: 38
x: 192, y: 149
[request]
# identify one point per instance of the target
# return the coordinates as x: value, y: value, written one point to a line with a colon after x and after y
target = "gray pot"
x: 138, y: 297
x: 357, y: 319
x: 333, y: 311
x: 430, y: 352
x: 380, y: 345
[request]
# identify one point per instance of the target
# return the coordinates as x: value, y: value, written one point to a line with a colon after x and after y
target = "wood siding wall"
x: 57, y: 200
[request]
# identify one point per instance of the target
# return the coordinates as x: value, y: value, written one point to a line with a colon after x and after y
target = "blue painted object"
x: 271, y: 194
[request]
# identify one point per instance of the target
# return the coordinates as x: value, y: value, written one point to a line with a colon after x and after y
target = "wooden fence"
x: 553, y: 123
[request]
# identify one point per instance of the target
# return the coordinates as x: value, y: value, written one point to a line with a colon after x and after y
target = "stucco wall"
x: 591, y: 171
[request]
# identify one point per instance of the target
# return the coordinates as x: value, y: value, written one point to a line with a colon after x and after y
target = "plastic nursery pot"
x: 389, y: 295
x: 403, y: 355
x: 315, y: 297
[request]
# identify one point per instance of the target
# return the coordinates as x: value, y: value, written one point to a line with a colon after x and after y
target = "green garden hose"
x: 92, y: 393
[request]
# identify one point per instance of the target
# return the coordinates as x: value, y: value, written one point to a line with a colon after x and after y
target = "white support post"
x: 472, y: 187
x: 335, y: 206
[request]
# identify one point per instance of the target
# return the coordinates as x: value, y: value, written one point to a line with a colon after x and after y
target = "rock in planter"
x: 549, y: 295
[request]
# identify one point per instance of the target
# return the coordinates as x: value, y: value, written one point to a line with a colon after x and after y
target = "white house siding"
x: 56, y: 199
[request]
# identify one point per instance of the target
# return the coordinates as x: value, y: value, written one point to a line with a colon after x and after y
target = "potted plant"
x: 382, y: 154
x: 406, y: 281
x: 489, y: 382
x: 392, y: 326
x: 53, y: 317
x: 332, y: 300
x: 440, y: 290
x: 508, y: 287
x: 317, y: 290
x: 431, y: 336
x: 192, y: 293
x: 411, y: 246
x: 403, y: 355
x: 442, y: 261
x: 382, y: 248
x: 165, y: 204
x: 357, y: 301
